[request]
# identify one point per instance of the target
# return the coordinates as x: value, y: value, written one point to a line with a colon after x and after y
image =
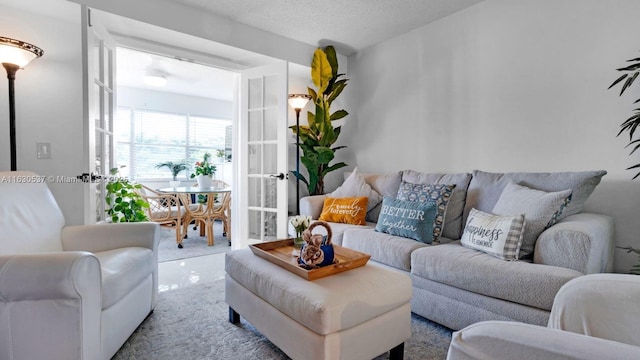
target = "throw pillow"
x: 486, y: 187
x: 345, y: 210
x: 454, y: 223
x: 384, y: 184
x: 540, y: 208
x: 355, y: 186
x: 499, y: 236
x: 410, y: 219
x: 437, y: 194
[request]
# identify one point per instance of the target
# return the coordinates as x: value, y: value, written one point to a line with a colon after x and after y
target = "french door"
x: 98, y: 72
x: 261, y: 181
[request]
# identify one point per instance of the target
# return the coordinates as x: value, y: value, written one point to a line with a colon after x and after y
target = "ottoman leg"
x: 234, y: 317
x: 397, y: 353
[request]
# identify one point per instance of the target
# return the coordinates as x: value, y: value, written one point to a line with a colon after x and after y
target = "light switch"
x: 44, y: 150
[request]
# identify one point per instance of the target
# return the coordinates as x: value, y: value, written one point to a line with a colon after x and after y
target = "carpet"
x: 192, y: 324
x: 193, y: 245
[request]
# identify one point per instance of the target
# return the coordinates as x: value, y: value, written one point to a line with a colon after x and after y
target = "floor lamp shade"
x: 15, y: 55
x: 298, y: 102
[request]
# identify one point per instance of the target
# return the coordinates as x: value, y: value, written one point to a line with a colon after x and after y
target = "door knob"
x: 280, y: 176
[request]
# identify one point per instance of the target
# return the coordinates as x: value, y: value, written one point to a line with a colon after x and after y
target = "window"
x: 145, y: 138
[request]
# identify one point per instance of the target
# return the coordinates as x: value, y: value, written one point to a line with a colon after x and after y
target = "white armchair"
x: 593, y: 317
x: 69, y: 292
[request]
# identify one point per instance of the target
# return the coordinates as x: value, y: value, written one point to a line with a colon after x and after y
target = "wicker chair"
x: 221, y: 211
x: 166, y: 210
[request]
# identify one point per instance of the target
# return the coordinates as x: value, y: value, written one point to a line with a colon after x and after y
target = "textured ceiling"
x: 351, y: 25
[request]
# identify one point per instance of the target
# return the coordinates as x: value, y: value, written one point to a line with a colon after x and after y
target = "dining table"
x: 212, y: 203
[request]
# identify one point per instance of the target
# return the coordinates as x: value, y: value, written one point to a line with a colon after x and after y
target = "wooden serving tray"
x: 279, y: 253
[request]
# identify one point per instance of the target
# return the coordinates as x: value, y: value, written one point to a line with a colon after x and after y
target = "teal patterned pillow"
x: 410, y: 219
x: 437, y: 194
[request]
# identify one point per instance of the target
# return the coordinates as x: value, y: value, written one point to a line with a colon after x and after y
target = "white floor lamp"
x: 298, y: 102
x: 15, y: 55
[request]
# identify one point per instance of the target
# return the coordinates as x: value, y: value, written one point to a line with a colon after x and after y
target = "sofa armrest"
x: 600, y: 305
x: 96, y: 238
x: 582, y: 242
x: 312, y: 205
x: 53, y: 300
x: 512, y: 340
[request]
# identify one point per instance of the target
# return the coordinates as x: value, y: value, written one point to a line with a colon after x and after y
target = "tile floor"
x: 182, y: 273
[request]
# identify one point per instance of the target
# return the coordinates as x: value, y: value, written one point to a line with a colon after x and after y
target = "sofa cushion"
x: 437, y: 194
x: 518, y: 281
x: 409, y: 219
x: 541, y: 209
x: 390, y: 250
x: 453, y: 217
x: 122, y: 270
x: 384, y: 184
x: 499, y: 236
x: 355, y: 186
x: 345, y: 210
x: 485, y: 187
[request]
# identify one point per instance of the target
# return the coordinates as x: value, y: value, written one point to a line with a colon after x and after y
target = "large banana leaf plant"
x: 630, y: 74
x: 317, y: 139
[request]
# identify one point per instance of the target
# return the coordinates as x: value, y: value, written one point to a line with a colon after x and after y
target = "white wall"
x: 48, y: 102
x: 505, y: 86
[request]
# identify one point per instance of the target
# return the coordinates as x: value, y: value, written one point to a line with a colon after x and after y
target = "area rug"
x: 193, y: 245
x: 192, y: 324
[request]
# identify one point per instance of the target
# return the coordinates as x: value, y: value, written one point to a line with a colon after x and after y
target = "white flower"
x: 300, y: 223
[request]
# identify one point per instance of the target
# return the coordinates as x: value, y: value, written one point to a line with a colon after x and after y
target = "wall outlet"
x: 43, y: 150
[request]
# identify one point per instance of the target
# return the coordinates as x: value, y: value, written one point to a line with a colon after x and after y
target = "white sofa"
x: 593, y: 317
x: 457, y: 286
x: 68, y: 292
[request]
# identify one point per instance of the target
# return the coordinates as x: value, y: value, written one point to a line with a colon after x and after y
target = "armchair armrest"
x: 53, y: 300
x: 55, y: 275
x: 512, y: 340
x: 312, y: 205
x: 600, y: 305
x: 582, y: 242
x: 96, y: 238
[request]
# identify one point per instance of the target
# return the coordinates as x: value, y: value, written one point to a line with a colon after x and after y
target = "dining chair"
x: 165, y: 209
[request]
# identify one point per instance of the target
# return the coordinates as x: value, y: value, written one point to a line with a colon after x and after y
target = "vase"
x: 174, y: 183
x: 204, y: 181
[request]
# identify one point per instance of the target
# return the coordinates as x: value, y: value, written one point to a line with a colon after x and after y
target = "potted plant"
x: 175, y: 168
x: 220, y: 155
x: 318, y: 137
x: 204, y: 171
x: 125, y: 204
x: 630, y: 73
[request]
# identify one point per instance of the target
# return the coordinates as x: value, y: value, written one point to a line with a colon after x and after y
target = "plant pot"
x: 204, y: 181
x: 174, y: 183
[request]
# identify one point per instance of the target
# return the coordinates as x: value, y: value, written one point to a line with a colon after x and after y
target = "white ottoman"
x: 357, y: 314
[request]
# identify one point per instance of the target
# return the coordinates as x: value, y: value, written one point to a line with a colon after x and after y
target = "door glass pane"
x: 255, y: 159
x: 99, y: 150
x: 255, y: 192
x: 106, y: 110
x: 271, y: 193
x: 270, y: 159
x: 255, y: 224
x: 270, y: 90
x: 107, y: 154
x: 271, y: 124
x: 270, y: 225
x: 255, y: 125
x: 107, y: 68
x: 255, y: 93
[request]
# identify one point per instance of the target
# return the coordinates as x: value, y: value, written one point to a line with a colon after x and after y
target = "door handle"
x: 280, y: 176
x: 86, y: 177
